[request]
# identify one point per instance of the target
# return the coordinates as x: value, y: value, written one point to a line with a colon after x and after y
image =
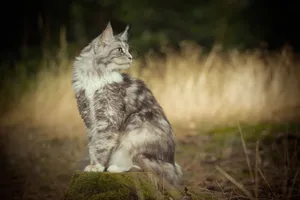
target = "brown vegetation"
x: 192, y: 87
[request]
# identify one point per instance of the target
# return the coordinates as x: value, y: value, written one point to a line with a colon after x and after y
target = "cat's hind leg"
x: 131, y: 142
x: 120, y: 160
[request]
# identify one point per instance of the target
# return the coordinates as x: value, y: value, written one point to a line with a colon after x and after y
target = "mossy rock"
x: 113, y: 186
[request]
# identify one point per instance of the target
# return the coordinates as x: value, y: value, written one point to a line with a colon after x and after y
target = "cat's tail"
x: 172, y: 173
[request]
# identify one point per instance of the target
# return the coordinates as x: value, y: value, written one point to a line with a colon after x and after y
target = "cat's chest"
x: 91, y: 87
x: 93, y: 84
x: 109, y: 103
x: 104, y: 93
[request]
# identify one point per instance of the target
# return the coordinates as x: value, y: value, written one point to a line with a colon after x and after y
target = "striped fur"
x: 127, y: 128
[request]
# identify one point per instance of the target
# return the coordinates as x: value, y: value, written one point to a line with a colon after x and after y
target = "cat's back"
x: 140, y: 99
x: 135, y: 87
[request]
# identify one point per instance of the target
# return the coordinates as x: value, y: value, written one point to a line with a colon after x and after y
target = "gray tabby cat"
x: 127, y: 128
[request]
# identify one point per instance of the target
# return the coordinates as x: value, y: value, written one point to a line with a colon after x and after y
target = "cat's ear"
x: 107, y: 35
x: 124, y: 35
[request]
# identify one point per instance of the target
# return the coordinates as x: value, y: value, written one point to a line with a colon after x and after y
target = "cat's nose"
x: 130, y: 57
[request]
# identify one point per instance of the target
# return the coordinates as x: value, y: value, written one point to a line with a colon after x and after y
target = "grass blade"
x: 239, y: 185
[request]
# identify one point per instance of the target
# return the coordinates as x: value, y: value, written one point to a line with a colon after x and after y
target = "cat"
x: 127, y: 128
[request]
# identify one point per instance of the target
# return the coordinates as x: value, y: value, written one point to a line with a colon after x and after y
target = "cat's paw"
x: 88, y: 168
x: 94, y: 168
x: 116, y: 169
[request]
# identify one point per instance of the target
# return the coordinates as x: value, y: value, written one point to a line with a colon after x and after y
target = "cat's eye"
x: 120, y: 49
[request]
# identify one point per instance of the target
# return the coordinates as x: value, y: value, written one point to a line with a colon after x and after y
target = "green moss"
x: 96, y: 186
x: 121, y: 186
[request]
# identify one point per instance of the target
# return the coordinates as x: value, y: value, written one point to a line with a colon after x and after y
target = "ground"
x: 110, y: 186
x: 258, y: 162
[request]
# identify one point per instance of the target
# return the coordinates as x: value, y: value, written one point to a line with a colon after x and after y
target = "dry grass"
x: 191, y: 86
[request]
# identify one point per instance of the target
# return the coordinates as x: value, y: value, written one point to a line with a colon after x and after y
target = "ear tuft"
x: 107, y: 35
x: 124, y: 36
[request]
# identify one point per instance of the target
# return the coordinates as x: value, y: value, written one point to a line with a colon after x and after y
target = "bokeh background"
x: 226, y: 73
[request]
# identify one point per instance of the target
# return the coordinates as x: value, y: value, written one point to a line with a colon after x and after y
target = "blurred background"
x: 213, y: 58
x: 226, y: 72
x: 32, y: 25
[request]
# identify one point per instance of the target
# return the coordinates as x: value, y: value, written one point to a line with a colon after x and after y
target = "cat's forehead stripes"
x: 122, y: 43
x: 119, y: 43
x: 125, y: 45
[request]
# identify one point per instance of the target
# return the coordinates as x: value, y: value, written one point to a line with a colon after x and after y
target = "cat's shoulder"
x: 136, y: 86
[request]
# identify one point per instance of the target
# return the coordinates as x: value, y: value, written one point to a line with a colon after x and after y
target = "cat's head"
x: 111, y: 52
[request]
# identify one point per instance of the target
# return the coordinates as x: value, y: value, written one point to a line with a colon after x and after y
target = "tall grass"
x: 216, y: 88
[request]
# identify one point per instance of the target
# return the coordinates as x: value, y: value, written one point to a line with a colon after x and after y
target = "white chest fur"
x: 90, y: 82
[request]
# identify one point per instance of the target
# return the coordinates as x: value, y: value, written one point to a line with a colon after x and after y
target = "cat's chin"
x: 126, y: 66
x: 119, y: 67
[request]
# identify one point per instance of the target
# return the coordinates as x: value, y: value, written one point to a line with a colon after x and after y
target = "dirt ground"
x: 257, y: 163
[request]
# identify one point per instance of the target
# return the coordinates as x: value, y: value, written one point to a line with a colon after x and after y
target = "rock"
x: 114, y: 186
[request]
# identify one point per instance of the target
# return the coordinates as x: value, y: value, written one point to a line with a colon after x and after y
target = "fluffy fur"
x: 127, y: 128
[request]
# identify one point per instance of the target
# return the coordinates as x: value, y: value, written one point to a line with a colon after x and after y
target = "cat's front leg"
x: 94, y: 165
x: 100, y: 146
